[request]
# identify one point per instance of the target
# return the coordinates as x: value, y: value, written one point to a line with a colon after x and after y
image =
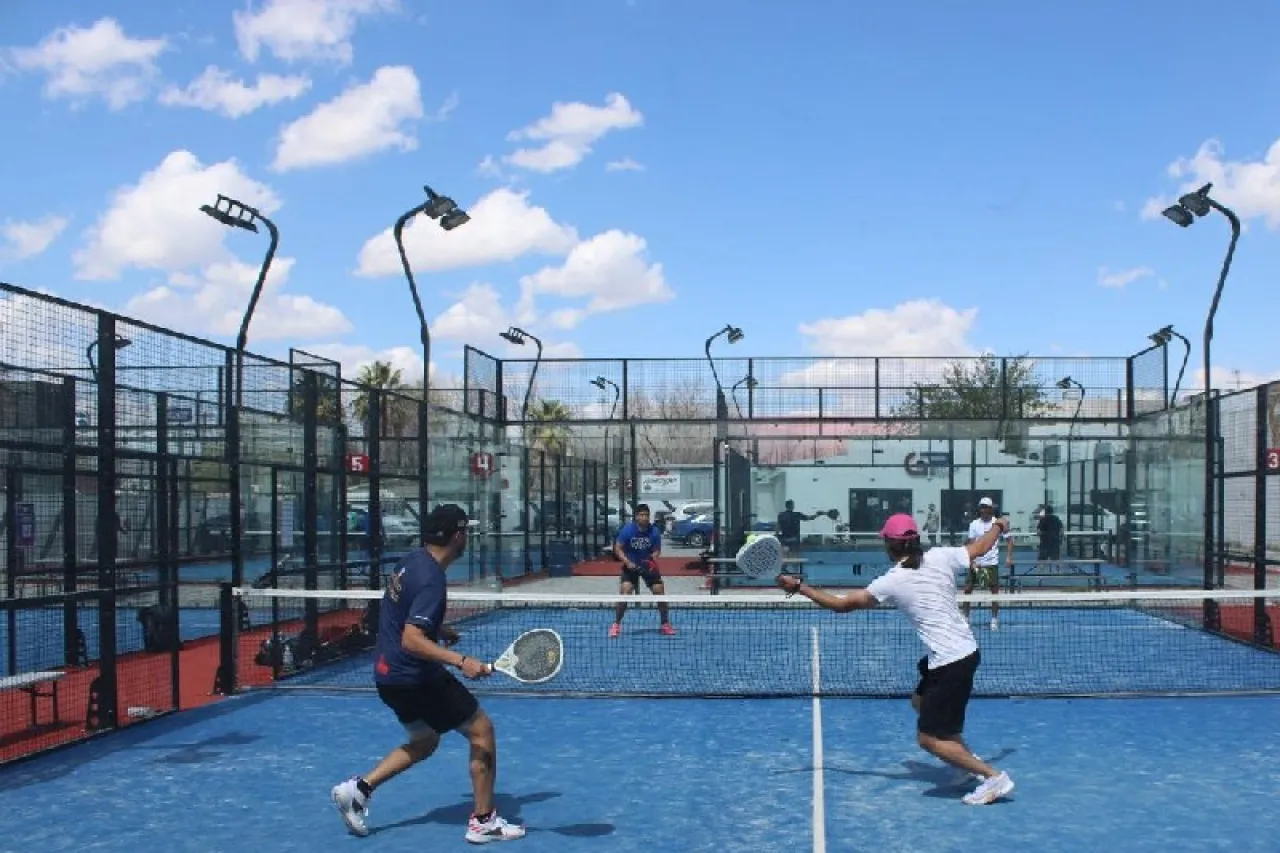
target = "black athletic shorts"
x: 651, y: 577
x: 944, y: 695
x: 441, y: 704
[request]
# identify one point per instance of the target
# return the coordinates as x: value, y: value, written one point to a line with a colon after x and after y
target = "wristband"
x: 460, y: 662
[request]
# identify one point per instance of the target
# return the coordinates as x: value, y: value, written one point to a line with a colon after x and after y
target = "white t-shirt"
x: 927, y: 596
x: 977, y: 529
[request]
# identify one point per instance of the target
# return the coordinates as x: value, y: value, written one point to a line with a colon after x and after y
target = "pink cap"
x: 900, y: 526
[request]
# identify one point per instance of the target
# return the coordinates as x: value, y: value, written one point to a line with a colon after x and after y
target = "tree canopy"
x: 985, y: 388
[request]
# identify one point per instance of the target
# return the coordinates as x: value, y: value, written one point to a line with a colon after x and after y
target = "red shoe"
x: 614, y: 630
x: 667, y: 629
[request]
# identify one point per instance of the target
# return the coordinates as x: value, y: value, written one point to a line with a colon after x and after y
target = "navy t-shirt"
x: 639, y: 545
x: 416, y: 595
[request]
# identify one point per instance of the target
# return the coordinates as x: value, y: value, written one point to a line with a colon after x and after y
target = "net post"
x: 224, y: 681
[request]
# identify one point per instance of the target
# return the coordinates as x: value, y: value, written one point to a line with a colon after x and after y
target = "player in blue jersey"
x: 638, y: 546
x: 411, y: 673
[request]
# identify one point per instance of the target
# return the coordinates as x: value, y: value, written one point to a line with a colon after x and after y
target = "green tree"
x: 328, y: 398
x: 550, y: 431
x: 986, y: 388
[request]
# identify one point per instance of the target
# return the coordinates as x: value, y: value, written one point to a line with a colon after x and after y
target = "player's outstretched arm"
x: 859, y: 599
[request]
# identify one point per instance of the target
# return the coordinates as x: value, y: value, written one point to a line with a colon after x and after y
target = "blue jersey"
x: 638, y: 545
x: 415, y: 595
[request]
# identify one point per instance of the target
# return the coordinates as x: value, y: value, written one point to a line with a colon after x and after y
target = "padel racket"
x: 536, y: 656
x: 760, y: 556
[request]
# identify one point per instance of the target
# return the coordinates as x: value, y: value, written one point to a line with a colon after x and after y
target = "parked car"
x: 695, y: 532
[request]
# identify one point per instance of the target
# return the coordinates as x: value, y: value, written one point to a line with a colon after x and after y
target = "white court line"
x: 819, y: 787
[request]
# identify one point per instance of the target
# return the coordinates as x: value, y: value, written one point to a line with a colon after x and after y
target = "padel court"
x: 689, y: 774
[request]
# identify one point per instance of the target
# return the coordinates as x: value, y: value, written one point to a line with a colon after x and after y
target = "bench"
x: 30, y: 683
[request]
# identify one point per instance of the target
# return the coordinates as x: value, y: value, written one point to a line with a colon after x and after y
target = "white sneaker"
x: 493, y: 829
x: 990, y: 790
x: 352, y: 805
x: 995, y: 624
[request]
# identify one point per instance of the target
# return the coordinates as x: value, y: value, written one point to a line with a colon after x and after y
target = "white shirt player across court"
x: 984, y: 571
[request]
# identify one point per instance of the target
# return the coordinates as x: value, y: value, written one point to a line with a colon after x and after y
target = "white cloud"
x: 1226, y: 379
x: 96, y: 61
x: 28, y: 239
x: 914, y: 331
x: 503, y: 227
x: 626, y: 164
x: 363, y: 120
x: 1249, y: 187
x: 478, y: 316
x: 919, y: 327
x: 294, y: 30
x: 609, y: 271
x: 216, y: 91
x: 214, y: 302
x: 1119, y: 279
x: 567, y: 134
x: 157, y: 224
x: 352, y: 357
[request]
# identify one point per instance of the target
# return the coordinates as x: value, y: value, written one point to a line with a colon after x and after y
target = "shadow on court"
x: 509, y: 807
x: 946, y: 781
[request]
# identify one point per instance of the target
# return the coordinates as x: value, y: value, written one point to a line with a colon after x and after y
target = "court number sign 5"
x: 1273, y: 460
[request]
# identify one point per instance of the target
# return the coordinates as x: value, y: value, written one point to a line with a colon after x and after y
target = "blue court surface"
x: 253, y: 774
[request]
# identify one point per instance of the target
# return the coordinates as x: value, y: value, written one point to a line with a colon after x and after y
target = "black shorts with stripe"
x: 944, y: 695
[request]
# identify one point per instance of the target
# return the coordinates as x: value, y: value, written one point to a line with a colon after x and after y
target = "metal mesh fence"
x: 1150, y: 380
x: 482, y: 381
x: 807, y: 389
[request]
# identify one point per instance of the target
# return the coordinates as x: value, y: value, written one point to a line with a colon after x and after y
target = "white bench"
x: 30, y: 683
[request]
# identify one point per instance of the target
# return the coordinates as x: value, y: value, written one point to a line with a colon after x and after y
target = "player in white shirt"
x: 922, y: 585
x: 984, y: 570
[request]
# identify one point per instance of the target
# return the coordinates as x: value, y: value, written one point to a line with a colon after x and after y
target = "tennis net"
x: 1167, y: 642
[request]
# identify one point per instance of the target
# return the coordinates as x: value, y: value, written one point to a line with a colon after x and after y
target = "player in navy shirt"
x: 638, y: 546
x: 411, y: 661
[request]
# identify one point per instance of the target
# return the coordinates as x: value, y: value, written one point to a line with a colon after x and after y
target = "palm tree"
x: 328, y: 398
x: 397, y: 409
x: 550, y: 433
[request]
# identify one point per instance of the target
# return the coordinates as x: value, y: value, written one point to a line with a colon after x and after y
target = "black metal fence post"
x: 105, y: 697
x: 1262, y: 634
x: 310, y: 501
x: 70, y: 529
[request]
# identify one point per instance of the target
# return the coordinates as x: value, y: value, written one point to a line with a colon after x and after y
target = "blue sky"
x: 836, y: 178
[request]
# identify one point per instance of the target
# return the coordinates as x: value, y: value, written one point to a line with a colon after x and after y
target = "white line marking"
x: 819, y: 787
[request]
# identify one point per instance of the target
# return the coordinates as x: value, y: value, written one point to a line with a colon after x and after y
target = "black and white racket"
x: 535, y: 656
x: 761, y: 556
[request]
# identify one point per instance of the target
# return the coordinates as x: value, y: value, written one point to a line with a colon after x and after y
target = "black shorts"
x: 441, y: 704
x: 1049, y: 550
x: 944, y: 695
x: 651, y: 577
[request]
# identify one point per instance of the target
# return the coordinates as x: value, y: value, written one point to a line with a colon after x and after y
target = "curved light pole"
x: 1161, y: 337
x: 1183, y: 214
x: 236, y: 214
x: 517, y: 337
x: 1066, y: 383
x: 733, y: 334
x: 751, y: 383
x: 603, y: 382
x: 450, y: 216
x: 120, y: 343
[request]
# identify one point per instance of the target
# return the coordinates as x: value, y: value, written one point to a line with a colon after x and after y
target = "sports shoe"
x: 990, y: 790
x: 493, y: 829
x: 995, y: 624
x: 615, y: 629
x: 667, y: 629
x: 352, y: 805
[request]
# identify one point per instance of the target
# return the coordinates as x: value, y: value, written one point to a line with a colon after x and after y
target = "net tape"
x: 1156, y: 642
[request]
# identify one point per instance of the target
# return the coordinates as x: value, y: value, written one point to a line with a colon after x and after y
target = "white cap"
x: 986, y: 502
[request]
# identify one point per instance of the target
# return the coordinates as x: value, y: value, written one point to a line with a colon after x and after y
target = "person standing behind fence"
x: 789, y: 528
x: 985, y: 570
x: 931, y: 524
x: 1050, y: 529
